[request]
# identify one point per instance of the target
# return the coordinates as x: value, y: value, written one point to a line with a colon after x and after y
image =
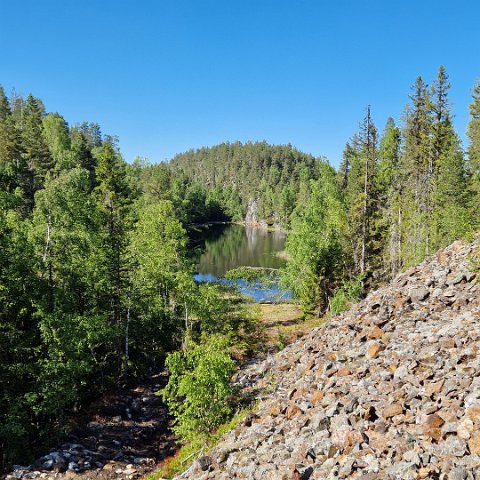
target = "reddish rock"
x: 292, y: 411
x: 375, y: 333
x: 474, y: 443
x: 400, y: 301
x: 432, y: 426
x: 431, y: 388
x: 310, y: 365
x: 274, y: 410
x: 473, y: 413
x: 317, y: 397
x: 346, y: 437
x: 332, y: 356
x: 374, y: 350
x: 392, y: 410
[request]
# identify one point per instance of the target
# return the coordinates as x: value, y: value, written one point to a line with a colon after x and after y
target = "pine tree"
x: 34, y: 146
x: 360, y: 194
x: 389, y: 187
x: 473, y: 133
x: 446, y: 174
x: 416, y: 170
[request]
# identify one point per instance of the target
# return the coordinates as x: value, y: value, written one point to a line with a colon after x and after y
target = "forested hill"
x: 253, y: 181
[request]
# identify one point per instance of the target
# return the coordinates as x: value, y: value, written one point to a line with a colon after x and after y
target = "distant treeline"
x: 256, y: 179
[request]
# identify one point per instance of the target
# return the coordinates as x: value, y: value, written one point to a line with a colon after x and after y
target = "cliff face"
x: 388, y: 390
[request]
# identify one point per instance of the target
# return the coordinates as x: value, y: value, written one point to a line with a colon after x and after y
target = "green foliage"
x: 349, y: 292
x: 199, y: 390
x: 264, y: 177
x: 473, y: 165
x: 34, y: 147
x: 253, y: 275
x: 282, y: 341
x: 474, y: 261
x: 358, y: 185
x: 316, y: 245
x: 57, y: 138
x: 389, y: 184
x: 161, y: 283
x: 95, y: 281
x: 18, y: 336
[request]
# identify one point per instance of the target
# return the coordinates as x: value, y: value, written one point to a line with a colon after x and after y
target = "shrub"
x: 199, y: 389
x: 349, y: 292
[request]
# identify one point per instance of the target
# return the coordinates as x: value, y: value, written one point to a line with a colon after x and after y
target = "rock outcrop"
x: 388, y: 390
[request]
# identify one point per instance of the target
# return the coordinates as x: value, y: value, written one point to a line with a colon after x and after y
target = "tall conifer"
x: 473, y: 133
x: 416, y: 163
x: 35, y: 148
x: 447, y: 175
x: 389, y: 187
x: 361, y: 156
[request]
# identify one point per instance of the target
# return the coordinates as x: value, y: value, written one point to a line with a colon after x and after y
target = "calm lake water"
x: 224, y: 247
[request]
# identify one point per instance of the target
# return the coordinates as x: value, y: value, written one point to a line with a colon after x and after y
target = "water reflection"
x: 232, y: 246
x: 226, y: 247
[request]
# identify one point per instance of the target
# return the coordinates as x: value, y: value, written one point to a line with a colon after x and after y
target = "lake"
x: 224, y: 247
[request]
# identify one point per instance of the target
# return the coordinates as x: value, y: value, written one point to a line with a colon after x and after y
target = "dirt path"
x: 125, y: 437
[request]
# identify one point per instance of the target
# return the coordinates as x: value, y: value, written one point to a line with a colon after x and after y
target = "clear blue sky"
x: 169, y: 75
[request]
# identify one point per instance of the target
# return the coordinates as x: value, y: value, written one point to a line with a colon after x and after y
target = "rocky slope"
x: 388, y: 390
x: 125, y: 436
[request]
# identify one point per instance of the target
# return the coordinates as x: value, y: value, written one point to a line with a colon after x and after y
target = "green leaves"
x: 160, y: 278
x: 315, y: 244
x: 199, y: 390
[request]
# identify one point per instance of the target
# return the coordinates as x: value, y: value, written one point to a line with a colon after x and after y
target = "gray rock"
x: 457, y: 473
x: 419, y: 293
x: 48, y: 465
x: 205, y: 462
x: 302, y: 472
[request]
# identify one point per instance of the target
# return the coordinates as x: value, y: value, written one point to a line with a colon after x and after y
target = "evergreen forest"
x: 96, y: 281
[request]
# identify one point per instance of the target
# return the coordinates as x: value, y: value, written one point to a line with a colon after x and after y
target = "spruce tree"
x: 389, y: 187
x: 82, y: 154
x: 35, y: 148
x: 473, y: 133
x: 415, y: 166
x: 360, y: 194
x: 447, y: 175
x: 113, y: 198
x: 10, y: 159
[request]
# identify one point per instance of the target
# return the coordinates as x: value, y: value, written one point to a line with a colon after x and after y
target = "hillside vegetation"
x: 96, y: 280
x: 256, y: 182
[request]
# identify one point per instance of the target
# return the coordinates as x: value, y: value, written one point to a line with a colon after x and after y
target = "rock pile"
x: 125, y: 437
x: 388, y: 390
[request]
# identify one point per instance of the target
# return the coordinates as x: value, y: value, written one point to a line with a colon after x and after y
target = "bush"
x: 199, y: 389
x: 349, y: 292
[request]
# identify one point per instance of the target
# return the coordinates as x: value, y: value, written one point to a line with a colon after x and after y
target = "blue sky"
x: 169, y: 75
